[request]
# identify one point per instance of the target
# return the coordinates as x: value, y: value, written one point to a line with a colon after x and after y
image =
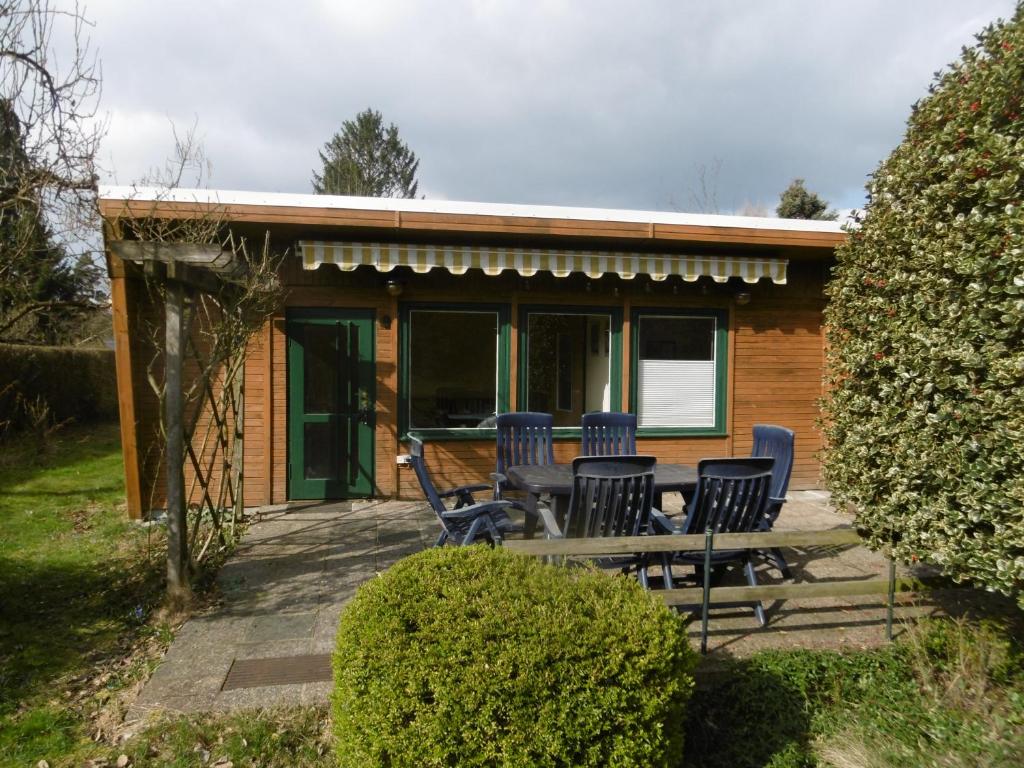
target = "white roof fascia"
x: 454, y: 207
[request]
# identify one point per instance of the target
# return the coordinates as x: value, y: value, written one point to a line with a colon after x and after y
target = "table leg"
x: 530, y: 524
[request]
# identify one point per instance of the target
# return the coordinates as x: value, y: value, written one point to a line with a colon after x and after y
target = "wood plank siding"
x: 775, y: 342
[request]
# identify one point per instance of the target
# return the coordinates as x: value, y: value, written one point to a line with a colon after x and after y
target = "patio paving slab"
x: 285, y: 586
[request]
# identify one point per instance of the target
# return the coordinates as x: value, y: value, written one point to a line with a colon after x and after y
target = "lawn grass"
x: 78, y: 583
x: 946, y: 694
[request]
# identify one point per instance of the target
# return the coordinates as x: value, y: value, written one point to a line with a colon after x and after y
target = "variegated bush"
x: 925, y: 420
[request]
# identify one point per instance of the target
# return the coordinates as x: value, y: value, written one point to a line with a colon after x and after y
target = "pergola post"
x: 174, y: 414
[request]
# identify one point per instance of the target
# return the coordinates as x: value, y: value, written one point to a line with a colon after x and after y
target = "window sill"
x: 560, y: 433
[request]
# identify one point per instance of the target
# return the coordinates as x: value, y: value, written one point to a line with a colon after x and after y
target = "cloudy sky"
x: 618, y: 104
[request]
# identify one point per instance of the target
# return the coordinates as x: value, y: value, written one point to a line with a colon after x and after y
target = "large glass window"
x: 453, y: 367
x: 677, y: 371
x: 568, y: 360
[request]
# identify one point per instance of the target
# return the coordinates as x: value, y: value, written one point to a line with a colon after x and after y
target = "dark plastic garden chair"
x: 524, y: 438
x: 731, y: 497
x: 776, y: 442
x: 611, y: 496
x: 469, y: 520
x: 608, y: 434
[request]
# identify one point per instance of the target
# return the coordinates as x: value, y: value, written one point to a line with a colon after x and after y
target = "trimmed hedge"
x: 76, y: 383
x: 477, y: 656
x: 925, y: 423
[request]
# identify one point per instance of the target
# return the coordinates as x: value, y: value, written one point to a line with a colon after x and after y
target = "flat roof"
x: 458, y: 215
x: 459, y: 207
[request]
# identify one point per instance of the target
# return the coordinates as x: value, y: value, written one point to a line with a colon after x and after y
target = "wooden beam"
x: 177, y: 536
x: 125, y: 387
x: 211, y: 257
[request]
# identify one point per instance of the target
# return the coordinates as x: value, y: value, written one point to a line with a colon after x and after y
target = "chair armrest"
x: 476, y: 488
x: 464, y: 494
x: 661, y: 524
x: 475, y: 510
x: 551, y: 530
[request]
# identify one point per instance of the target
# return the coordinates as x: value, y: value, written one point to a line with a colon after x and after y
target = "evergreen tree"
x: 796, y: 202
x: 366, y: 159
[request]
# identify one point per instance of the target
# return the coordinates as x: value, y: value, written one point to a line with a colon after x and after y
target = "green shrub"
x: 477, y: 656
x: 925, y: 423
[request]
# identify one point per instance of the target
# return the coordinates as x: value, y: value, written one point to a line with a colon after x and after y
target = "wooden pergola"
x: 185, y: 269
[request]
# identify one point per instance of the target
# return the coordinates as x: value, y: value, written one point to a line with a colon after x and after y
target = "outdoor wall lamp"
x: 385, y: 322
x: 742, y: 298
x: 394, y: 288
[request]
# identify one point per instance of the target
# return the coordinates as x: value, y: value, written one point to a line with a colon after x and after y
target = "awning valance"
x: 458, y: 259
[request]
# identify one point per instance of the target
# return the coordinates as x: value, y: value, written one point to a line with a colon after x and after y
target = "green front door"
x: 330, y: 404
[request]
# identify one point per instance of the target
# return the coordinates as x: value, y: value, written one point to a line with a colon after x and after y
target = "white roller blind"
x: 676, y: 393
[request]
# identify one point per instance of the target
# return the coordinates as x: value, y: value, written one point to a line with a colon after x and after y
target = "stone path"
x: 283, y: 592
x: 284, y: 588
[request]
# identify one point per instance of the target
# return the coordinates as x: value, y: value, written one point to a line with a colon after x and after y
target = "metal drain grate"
x: 283, y: 670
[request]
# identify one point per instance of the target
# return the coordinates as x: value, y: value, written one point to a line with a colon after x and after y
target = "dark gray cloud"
x: 579, y: 103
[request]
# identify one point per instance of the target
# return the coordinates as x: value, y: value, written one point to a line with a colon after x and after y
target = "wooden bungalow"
x: 430, y: 316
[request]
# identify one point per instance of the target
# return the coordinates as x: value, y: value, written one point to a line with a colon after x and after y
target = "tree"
x: 924, y: 422
x: 48, y: 142
x: 364, y: 158
x: 796, y: 202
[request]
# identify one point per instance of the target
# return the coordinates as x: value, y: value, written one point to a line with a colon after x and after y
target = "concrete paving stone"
x: 258, y: 698
x: 285, y: 626
x: 259, y: 648
x: 188, y: 658
x: 314, y: 694
x: 175, y: 685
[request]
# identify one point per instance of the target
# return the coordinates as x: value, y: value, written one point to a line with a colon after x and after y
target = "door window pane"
x: 676, y: 384
x: 320, y: 374
x: 318, y: 451
x: 453, y: 368
x: 568, y: 365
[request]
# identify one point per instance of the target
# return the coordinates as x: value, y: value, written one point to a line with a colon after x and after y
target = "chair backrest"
x: 524, y: 439
x: 731, y: 495
x: 776, y: 442
x: 608, y: 434
x: 611, y: 496
x: 419, y: 466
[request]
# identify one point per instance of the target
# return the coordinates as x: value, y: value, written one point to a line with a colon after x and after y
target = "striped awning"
x: 458, y: 259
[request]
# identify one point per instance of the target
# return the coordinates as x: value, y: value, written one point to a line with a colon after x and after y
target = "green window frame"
x: 615, y: 352
x: 405, y: 373
x: 721, y: 347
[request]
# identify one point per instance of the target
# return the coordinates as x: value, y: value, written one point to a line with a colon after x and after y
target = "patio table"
x: 556, y: 481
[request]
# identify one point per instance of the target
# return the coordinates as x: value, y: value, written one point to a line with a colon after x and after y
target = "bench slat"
x: 743, y: 594
x: 622, y: 545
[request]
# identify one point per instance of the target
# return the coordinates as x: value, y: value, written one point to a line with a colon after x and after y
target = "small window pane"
x: 676, y: 372
x: 568, y: 365
x: 453, y: 368
x: 320, y: 374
